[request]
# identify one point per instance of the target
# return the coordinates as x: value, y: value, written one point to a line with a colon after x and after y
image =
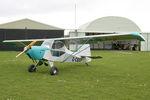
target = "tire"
x: 31, y: 68
x: 54, y: 70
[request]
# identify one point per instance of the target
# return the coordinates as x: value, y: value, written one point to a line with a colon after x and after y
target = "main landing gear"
x: 32, y: 68
x: 53, y: 70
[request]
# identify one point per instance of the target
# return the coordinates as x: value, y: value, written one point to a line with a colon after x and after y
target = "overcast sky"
x: 61, y: 13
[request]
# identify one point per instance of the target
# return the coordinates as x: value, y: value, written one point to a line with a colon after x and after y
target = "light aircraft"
x: 55, y: 49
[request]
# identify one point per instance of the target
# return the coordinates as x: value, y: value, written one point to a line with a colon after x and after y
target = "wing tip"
x: 141, y: 38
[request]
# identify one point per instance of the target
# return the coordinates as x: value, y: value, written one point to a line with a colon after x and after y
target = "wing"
x: 22, y: 43
x: 107, y: 37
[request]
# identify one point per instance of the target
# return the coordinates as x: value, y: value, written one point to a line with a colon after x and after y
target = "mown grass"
x: 117, y: 76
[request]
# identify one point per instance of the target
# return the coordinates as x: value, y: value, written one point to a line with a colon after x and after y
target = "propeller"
x: 26, y: 48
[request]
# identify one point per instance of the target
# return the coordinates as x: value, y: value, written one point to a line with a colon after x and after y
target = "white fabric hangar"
x: 109, y: 25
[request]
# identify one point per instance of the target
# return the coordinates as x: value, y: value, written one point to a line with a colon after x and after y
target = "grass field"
x: 118, y: 76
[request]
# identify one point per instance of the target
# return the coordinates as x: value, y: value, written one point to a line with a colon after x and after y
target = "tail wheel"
x: 31, y: 68
x: 53, y: 70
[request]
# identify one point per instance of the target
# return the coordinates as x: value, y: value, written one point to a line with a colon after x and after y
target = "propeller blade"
x: 31, y: 44
x: 20, y: 53
x: 26, y: 48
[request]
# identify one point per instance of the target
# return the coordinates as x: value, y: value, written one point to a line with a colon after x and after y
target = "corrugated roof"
x: 29, y: 24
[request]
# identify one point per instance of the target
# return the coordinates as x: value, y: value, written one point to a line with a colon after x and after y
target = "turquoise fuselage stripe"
x: 76, y: 50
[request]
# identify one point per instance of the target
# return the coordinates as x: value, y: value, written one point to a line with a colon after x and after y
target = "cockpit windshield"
x: 58, y: 48
x: 58, y: 45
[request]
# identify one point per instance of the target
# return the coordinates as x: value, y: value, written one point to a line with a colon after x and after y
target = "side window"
x: 58, y: 48
x: 57, y: 53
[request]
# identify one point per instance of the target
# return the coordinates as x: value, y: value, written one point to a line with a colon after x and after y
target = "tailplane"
x: 93, y: 57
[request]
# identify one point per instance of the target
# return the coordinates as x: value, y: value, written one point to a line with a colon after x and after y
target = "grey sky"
x: 61, y: 12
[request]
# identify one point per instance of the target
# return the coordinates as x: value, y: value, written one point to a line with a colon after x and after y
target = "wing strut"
x: 76, y: 49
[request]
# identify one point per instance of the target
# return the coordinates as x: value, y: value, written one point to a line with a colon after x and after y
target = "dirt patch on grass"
x: 122, y: 52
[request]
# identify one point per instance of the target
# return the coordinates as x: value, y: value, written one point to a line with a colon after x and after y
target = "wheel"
x: 31, y: 68
x: 53, y: 70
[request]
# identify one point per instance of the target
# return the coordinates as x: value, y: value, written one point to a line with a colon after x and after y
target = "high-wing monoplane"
x: 56, y: 49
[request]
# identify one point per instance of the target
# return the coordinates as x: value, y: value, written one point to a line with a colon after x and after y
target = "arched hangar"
x: 109, y: 25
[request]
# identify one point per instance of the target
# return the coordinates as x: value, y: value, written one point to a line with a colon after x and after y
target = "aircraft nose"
x: 36, y: 52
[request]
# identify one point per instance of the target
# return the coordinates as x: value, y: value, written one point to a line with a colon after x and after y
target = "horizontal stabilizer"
x: 93, y: 57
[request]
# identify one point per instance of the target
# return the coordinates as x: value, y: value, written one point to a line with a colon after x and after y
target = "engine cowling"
x: 36, y: 52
